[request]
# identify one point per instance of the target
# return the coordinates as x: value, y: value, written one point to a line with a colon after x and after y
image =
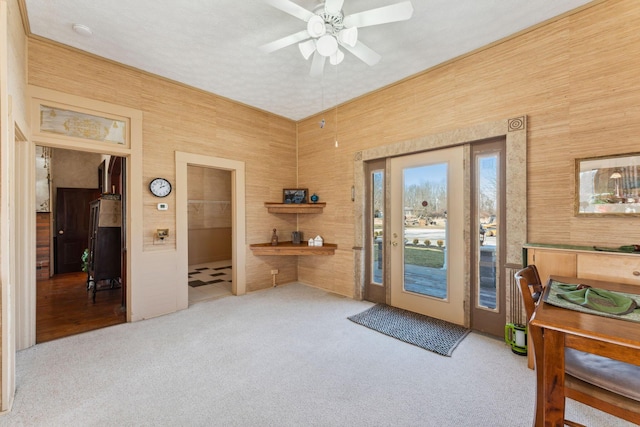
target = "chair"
x: 605, y: 384
x: 531, y: 289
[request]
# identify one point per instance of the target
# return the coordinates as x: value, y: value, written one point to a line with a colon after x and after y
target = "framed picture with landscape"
x: 295, y: 195
x: 608, y: 185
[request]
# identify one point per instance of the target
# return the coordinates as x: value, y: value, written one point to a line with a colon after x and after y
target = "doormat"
x: 432, y: 334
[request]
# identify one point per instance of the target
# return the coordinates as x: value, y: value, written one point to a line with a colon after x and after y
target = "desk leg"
x: 553, y: 378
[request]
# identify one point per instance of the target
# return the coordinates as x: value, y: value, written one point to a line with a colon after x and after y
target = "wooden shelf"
x: 288, y: 248
x: 297, y: 208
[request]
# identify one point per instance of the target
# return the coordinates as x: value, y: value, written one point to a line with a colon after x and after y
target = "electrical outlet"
x: 274, y: 271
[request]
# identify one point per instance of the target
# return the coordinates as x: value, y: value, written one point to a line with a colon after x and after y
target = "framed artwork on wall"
x: 608, y: 185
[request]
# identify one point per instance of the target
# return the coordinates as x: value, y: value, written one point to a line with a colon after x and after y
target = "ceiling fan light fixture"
x: 336, y: 58
x: 307, y: 48
x: 333, y: 7
x: 328, y: 32
x: 327, y: 45
x: 316, y: 26
x: 348, y: 36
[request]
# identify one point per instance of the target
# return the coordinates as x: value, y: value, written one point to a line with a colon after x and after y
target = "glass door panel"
x: 377, y: 226
x: 425, y: 229
x: 375, y: 289
x: 488, y: 218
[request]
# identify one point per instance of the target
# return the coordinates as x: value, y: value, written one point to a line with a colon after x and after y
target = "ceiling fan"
x: 328, y: 30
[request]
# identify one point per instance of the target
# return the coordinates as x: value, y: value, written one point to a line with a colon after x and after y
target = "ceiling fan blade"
x: 382, y: 15
x: 291, y: 8
x: 365, y: 53
x: 285, y: 41
x: 317, y: 66
x: 333, y: 7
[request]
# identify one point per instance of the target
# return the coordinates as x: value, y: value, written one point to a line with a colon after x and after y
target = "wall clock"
x: 160, y: 187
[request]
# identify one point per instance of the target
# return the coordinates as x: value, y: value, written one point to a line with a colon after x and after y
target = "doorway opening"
x: 492, y: 236
x: 210, y: 233
x: 235, y: 173
x: 80, y: 279
x: 427, y: 252
x: 416, y: 256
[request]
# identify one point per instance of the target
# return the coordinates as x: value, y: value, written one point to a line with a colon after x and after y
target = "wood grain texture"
x: 586, y: 264
x: 576, y: 80
x: 553, y: 263
x: 301, y: 208
x: 180, y: 118
x: 288, y: 248
x: 209, y: 244
x: 43, y: 245
x: 64, y: 307
x: 623, y: 269
x: 554, y: 328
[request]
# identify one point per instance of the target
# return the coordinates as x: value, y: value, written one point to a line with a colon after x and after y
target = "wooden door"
x: 72, y: 227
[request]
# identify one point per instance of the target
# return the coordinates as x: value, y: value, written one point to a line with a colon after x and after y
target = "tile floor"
x: 209, y: 280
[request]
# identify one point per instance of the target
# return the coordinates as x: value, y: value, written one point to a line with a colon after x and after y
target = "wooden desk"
x: 554, y: 328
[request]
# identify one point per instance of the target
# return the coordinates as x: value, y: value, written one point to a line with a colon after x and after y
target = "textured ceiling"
x: 213, y: 44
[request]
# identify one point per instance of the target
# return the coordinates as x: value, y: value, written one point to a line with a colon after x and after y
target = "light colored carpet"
x: 286, y: 356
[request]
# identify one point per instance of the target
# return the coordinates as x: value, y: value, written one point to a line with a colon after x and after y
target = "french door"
x: 426, y: 241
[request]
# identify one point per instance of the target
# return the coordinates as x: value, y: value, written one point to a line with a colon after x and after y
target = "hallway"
x: 209, y: 281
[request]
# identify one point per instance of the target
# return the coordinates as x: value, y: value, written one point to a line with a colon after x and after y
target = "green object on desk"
x: 629, y: 249
x: 597, y: 299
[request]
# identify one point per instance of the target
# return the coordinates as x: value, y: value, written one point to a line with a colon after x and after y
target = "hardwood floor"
x: 64, y: 307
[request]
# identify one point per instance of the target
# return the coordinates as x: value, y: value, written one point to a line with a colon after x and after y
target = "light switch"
x: 163, y: 206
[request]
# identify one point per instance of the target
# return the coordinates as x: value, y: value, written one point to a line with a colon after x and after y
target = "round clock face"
x: 160, y: 187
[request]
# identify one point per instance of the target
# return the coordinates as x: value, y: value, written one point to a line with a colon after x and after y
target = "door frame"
x: 25, y: 178
x: 375, y: 292
x: 238, y: 222
x: 483, y: 319
x: 513, y: 129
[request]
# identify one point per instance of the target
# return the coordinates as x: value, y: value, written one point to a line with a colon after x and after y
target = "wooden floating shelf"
x: 288, y: 248
x: 301, y: 208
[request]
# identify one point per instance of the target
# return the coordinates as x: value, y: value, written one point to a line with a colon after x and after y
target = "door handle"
x: 61, y: 232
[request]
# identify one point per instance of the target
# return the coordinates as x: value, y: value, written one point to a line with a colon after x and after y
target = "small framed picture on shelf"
x: 295, y: 195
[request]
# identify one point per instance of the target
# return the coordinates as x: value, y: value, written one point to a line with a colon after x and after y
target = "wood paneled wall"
x: 209, y: 244
x: 43, y: 245
x: 179, y: 118
x: 576, y: 79
x: 209, y: 213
